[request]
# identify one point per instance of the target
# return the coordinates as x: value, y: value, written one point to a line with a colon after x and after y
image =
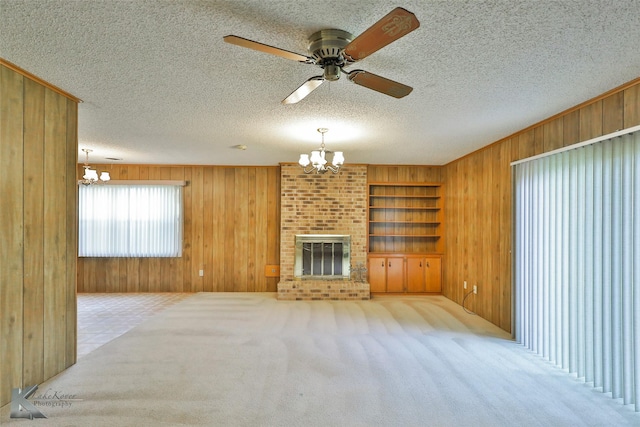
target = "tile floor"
x: 103, y: 317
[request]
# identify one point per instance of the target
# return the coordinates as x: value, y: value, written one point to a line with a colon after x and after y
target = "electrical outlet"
x: 201, y: 273
x: 475, y: 289
x: 464, y: 285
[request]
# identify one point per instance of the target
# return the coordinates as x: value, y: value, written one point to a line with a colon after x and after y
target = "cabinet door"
x: 433, y: 274
x: 395, y: 274
x: 378, y: 274
x: 415, y: 274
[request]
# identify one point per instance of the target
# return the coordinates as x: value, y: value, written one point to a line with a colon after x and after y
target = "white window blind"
x: 130, y: 221
x: 577, y: 262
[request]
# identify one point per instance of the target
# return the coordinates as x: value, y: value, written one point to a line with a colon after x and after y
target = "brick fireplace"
x: 322, y: 204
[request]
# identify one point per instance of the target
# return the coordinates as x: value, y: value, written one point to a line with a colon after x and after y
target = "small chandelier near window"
x: 91, y: 175
x: 317, y: 162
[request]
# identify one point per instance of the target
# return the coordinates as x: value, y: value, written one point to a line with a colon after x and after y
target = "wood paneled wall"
x: 478, y: 201
x: 388, y: 173
x: 38, y: 240
x: 231, y: 231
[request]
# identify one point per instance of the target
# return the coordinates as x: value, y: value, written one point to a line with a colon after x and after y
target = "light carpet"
x: 246, y: 359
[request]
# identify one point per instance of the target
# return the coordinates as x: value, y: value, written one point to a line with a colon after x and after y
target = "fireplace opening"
x: 322, y: 256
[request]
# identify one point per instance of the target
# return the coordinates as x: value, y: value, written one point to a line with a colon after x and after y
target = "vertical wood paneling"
x: 185, y: 286
x: 175, y: 265
x: 448, y: 175
x: 231, y: 231
x: 489, y: 228
x: 632, y: 106
x: 219, y: 204
x: 478, y: 197
x: 273, y: 223
x: 11, y: 231
x: 33, y: 232
x: 55, y: 236
x: 209, y: 242
x: 522, y: 145
x: 591, y: 121
x: 71, y: 251
x: 251, y: 230
x: 613, y: 113
x: 502, y: 300
x: 38, y: 145
x: 260, y: 216
x: 241, y: 236
x: 197, y: 228
x: 570, y: 129
x: 497, y: 162
x: 553, y: 134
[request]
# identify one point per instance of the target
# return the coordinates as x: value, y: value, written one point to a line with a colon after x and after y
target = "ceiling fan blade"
x: 239, y: 41
x: 397, y: 23
x: 305, y: 89
x: 380, y: 84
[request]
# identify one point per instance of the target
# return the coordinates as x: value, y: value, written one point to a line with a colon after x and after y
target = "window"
x: 130, y: 221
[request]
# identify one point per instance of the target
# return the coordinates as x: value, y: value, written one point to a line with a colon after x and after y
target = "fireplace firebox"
x: 322, y: 256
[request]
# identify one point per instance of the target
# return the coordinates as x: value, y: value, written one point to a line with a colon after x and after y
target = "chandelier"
x: 91, y: 175
x: 317, y: 162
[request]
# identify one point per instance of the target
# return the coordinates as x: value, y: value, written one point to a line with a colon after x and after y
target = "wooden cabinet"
x: 415, y: 274
x: 405, y: 273
x: 424, y: 274
x: 395, y: 274
x: 377, y: 273
x: 433, y: 274
x: 386, y: 274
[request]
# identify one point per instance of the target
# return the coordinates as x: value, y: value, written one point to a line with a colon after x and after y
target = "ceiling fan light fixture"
x: 333, y: 49
x: 332, y: 72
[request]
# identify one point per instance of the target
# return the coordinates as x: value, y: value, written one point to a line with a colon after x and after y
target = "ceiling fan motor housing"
x: 326, y: 47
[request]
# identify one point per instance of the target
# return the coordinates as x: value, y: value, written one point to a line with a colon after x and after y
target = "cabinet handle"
x: 382, y: 265
x: 420, y: 263
x: 389, y: 263
x: 427, y: 264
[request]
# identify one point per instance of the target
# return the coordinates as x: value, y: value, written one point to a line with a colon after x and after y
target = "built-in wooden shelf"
x: 405, y: 237
x: 405, y: 217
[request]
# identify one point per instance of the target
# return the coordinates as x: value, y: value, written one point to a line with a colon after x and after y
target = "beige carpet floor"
x: 220, y: 359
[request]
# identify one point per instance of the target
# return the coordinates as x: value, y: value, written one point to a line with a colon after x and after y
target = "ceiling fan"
x: 332, y: 50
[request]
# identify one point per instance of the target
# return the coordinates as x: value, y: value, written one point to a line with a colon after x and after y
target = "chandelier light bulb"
x: 338, y: 158
x: 304, y: 160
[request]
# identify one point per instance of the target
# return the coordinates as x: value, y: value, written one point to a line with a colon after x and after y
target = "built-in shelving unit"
x: 405, y: 237
x: 405, y: 218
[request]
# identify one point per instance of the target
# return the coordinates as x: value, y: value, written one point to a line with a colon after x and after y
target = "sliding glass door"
x: 577, y: 262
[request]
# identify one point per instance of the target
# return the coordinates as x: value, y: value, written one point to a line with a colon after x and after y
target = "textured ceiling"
x: 160, y: 86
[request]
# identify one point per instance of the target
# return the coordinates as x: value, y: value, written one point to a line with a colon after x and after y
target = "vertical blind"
x: 130, y: 221
x: 577, y: 262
